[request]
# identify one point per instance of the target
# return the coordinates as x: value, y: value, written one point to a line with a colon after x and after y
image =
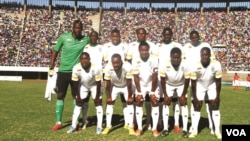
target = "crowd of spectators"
x: 27, y: 40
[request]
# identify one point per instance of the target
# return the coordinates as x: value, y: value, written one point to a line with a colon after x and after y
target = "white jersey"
x: 87, y: 79
x: 118, y: 80
x: 175, y: 77
x: 165, y: 49
x: 145, y: 69
x: 192, y: 53
x: 111, y: 49
x: 205, y: 76
x: 133, y: 49
x: 95, y: 53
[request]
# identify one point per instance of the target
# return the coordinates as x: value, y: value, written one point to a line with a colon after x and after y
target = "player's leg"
x: 139, y: 113
x: 216, y: 116
x: 148, y: 109
x: 110, y: 110
x: 62, y: 82
x: 129, y: 112
x: 176, y: 109
x: 99, y: 110
x: 124, y: 105
x: 196, y: 113
x: 154, y: 98
x: 77, y: 109
x: 85, y: 108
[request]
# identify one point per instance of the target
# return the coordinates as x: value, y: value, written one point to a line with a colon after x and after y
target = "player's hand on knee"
x: 98, y: 101
x: 183, y: 100
x: 79, y: 101
x: 109, y: 100
x: 154, y: 100
x: 139, y: 100
x: 167, y: 100
x: 130, y: 100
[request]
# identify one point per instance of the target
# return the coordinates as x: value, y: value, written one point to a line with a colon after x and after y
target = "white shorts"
x: 171, y: 90
x: 147, y: 90
x: 201, y: 92
x: 85, y: 91
x: 236, y: 83
x: 119, y: 90
x: 248, y: 84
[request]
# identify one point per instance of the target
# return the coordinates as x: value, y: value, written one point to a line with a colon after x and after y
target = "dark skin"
x: 76, y: 33
x: 144, y: 53
x: 86, y: 64
x: 195, y: 39
x: 117, y: 65
x: 175, y: 61
x: 205, y: 61
x: 93, y: 36
x: 167, y: 37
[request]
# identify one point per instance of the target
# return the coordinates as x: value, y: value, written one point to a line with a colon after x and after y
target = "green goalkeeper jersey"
x: 71, y: 50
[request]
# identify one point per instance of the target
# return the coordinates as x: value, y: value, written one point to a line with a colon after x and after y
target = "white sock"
x: 191, y: 116
x: 155, y: 117
x: 210, y: 123
x: 139, y: 114
x: 130, y: 115
x: 76, y: 113
x: 165, y: 115
x: 99, y: 114
x: 125, y: 115
x: 184, y: 114
x: 109, y: 113
x: 195, y: 121
x: 216, y: 118
x: 176, y: 114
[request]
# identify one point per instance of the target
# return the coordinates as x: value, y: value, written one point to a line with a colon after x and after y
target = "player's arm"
x: 98, y: 93
x: 183, y: 99
x: 76, y: 86
x: 137, y: 82
x: 55, y: 51
x: 154, y: 79
x: 130, y: 92
x: 153, y: 87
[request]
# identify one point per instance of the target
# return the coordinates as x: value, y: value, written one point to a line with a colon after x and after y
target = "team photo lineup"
x: 164, y: 68
x: 142, y: 72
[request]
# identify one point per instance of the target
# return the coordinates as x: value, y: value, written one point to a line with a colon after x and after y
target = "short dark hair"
x: 116, y: 55
x: 175, y: 50
x: 77, y: 22
x: 143, y: 43
x: 194, y: 32
x: 85, y: 53
x: 207, y: 49
x: 115, y: 31
x: 167, y: 29
x: 144, y: 30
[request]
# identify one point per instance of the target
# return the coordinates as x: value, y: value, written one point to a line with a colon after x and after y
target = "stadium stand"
x: 28, y: 33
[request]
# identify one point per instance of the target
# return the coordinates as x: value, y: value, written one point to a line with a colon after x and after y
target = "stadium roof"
x: 161, y: 1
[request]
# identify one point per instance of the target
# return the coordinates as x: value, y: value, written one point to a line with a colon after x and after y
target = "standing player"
x: 133, y: 51
x: 206, y: 80
x: 164, y: 48
x: 145, y: 74
x: 236, y: 81
x: 248, y: 82
x: 192, y: 55
x: 116, y: 46
x: 118, y: 77
x: 71, y: 45
x: 95, y: 52
x: 88, y: 76
x: 175, y: 77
